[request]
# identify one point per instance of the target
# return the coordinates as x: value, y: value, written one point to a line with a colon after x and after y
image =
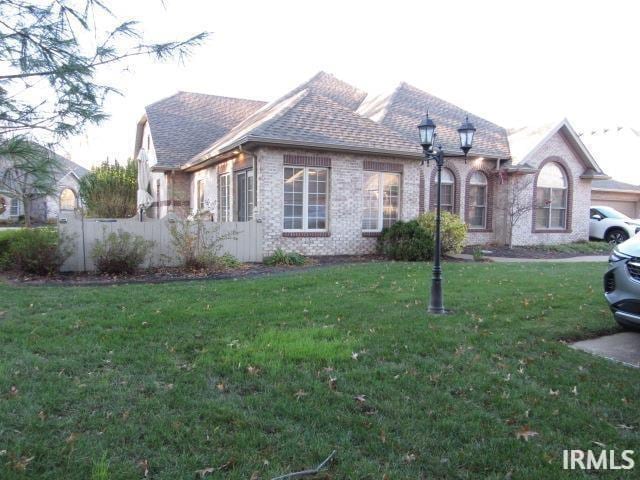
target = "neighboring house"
x: 624, y: 197
x: 617, y: 151
x: 47, y: 209
x: 325, y: 167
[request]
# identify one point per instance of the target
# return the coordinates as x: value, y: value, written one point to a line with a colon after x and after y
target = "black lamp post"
x: 427, y: 130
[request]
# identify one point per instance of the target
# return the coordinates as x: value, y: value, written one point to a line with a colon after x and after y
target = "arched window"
x: 447, y: 190
x: 67, y: 199
x: 551, y: 198
x: 477, y: 194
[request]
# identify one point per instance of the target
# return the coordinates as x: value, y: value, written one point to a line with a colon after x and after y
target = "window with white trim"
x: 381, y: 200
x: 200, y: 195
x: 551, y: 198
x: 447, y: 190
x: 477, y: 195
x: 68, y: 199
x: 244, y: 195
x: 224, y: 197
x: 305, y: 198
x: 15, y: 208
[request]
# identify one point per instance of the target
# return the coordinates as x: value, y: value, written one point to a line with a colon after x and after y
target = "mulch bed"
x: 176, y: 274
x: 524, y: 252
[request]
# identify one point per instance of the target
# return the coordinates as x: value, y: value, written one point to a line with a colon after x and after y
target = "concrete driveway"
x: 621, y: 347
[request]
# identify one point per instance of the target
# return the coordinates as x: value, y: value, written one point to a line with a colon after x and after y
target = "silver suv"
x: 622, y: 283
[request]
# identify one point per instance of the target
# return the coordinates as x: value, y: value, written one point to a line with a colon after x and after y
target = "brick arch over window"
x: 456, y: 187
x: 569, y: 216
x: 490, y: 176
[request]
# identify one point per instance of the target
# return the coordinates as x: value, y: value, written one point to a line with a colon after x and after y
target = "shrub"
x: 452, y: 228
x: 280, y: 257
x: 120, y: 252
x: 110, y: 190
x: 198, y: 245
x: 39, y: 251
x: 406, y: 241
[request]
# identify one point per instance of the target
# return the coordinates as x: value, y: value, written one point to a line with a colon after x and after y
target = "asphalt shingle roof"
x: 614, y: 185
x: 311, y: 118
x: 403, y: 110
x: 186, y: 123
x: 323, y: 111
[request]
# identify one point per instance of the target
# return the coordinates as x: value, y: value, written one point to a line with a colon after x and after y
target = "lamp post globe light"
x: 427, y: 131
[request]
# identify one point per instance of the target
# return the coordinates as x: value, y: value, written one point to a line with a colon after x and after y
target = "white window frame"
x: 381, y: 199
x: 549, y: 207
x: 484, y: 206
x: 200, y: 191
x: 305, y: 200
x: 249, y: 189
x: 227, y: 215
x: 17, y: 207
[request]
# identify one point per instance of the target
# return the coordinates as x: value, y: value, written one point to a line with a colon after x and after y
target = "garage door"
x: 628, y: 208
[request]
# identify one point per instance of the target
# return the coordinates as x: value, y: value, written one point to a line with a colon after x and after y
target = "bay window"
x: 381, y: 202
x: 305, y: 198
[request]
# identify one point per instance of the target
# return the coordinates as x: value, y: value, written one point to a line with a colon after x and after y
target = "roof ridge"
x: 209, y: 95
x: 237, y: 129
x: 355, y: 114
x: 408, y: 86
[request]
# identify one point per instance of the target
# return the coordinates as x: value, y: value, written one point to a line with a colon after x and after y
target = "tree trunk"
x: 26, y: 205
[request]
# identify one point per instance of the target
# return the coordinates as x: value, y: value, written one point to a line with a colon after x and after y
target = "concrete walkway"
x: 621, y: 347
x: 584, y: 258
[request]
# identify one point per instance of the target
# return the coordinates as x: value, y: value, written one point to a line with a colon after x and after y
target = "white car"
x: 608, y: 224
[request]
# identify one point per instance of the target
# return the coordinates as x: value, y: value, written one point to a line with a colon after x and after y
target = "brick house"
x: 47, y: 209
x: 325, y: 167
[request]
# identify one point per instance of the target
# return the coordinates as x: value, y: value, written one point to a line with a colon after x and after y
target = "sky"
x: 515, y: 63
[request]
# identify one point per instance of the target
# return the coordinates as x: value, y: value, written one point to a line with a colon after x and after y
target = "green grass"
x: 585, y: 248
x: 262, y: 373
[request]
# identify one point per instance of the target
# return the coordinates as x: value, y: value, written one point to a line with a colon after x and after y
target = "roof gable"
x: 406, y: 106
x: 185, y: 123
x: 525, y: 141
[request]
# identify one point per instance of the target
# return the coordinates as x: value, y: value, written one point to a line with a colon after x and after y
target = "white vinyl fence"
x: 246, y: 244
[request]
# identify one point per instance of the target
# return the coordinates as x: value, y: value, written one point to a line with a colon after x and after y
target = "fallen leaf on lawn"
x: 42, y: 416
x: 220, y: 387
x: 72, y: 437
x: 354, y: 355
x: 204, y: 472
x: 253, y: 370
x: 333, y: 383
x: 554, y: 392
x: 525, y: 433
x: 13, y: 391
x: 300, y: 393
x: 255, y: 476
x: 3, y: 453
x: 360, y: 398
x: 22, y: 463
x: 383, y: 437
x: 144, y: 466
x: 575, y: 390
x: 409, y: 457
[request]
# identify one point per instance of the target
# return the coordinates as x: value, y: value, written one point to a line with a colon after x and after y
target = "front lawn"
x: 260, y: 377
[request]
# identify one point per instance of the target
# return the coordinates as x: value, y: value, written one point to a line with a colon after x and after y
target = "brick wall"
x: 579, y: 197
x: 345, y: 203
